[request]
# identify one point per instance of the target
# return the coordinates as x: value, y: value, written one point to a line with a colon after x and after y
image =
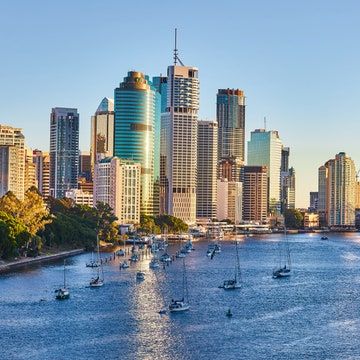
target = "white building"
x: 264, y: 149
x: 337, y: 191
x: 229, y: 201
x: 12, y: 161
x: 178, y: 158
x: 117, y: 183
x: 80, y: 197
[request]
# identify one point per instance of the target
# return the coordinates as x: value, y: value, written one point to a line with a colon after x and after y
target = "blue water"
x: 313, y: 314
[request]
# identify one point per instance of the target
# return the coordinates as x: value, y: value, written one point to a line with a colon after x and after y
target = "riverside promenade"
x: 17, y: 264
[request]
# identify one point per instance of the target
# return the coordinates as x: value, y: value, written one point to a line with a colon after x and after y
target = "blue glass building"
x: 137, y: 133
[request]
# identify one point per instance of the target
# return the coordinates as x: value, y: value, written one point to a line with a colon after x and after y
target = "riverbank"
x: 17, y: 264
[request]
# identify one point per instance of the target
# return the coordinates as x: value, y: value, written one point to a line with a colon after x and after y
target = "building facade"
x: 255, y: 193
x: 12, y: 161
x: 64, y: 150
x: 206, y: 194
x: 102, y: 131
x: 230, y: 114
x: 229, y: 201
x: 30, y: 170
x: 80, y: 197
x: 136, y: 128
x: 41, y: 160
x: 179, y: 144
x: 117, y: 183
x: 337, y: 191
x: 265, y: 149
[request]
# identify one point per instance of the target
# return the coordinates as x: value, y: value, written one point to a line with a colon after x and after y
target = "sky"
x: 297, y: 62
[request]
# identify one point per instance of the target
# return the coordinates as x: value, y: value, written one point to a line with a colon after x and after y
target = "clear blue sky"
x: 297, y: 61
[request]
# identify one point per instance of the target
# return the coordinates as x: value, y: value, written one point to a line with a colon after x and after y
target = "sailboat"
x: 92, y: 262
x: 98, y: 281
x: 234, y: 283
x: 284, y: 268
x: 63, y: 292
x: 183, y: 304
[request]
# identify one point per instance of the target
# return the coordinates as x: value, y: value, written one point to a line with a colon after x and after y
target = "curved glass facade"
x: 137, y: 118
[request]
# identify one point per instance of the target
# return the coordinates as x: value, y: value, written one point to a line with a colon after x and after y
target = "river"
x: 314, y: 314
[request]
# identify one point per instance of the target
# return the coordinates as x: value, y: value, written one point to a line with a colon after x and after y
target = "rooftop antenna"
x: 176, y: 56
x: 265, y: 123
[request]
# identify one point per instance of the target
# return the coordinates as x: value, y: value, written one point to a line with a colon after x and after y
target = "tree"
x: 171, y: 223
x: 107, y: 227
x: 294, y: 219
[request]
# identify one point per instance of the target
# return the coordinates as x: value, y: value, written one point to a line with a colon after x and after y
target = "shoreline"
x: 14, y: 265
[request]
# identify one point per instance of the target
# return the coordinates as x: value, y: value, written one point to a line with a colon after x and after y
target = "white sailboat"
x: 183, y: 304
x: 234, y: 283
x: 284, y: 268
x: 92, y: 263
x: 63, y: 292
x: 98, y: 281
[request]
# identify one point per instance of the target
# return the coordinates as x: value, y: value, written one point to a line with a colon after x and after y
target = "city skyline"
x: 282, y: 55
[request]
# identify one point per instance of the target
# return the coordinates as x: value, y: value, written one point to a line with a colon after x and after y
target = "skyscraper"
x: 41, y: 160
x: 206, y: 194
x: 255, y: 193
x: 12, y: 161
x: 117, y: 183
x: 64, y: 150
x: 340, y: 190
x: 230, y: 113
x: 287, y: 182
x: 264, y: 149
x: 137, y: 117
x: 30, y: 170
x: 179, y: 143
x: 102, y: 131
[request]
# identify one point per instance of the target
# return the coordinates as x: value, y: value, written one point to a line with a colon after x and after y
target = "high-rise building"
x: 357, y: 201
x: 12, y: 161
x: 339, y: 176
x: 85, y: 165
x: 117, y: 183
x: 230, y: 168
x: 30, y: 170
x: 314, y: 197
x: 285, y: 154
x: 264, y: 149
x: 229, y: 201
x: 179, y: 143
x: 102, y: 131
x: 255, y: 193
x: 288, y: 189
x: 41, y: 160
x: 64, y: 150
x: 160, y: 83
x: 206, y: 194
x: 136, y: 128
x: 230, y: 113
x: 322, y: 194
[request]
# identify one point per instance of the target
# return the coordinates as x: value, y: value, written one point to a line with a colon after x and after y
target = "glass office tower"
x: 137, y: 119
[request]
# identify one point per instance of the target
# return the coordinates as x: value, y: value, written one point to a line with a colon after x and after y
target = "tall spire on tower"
x: 176, y: 52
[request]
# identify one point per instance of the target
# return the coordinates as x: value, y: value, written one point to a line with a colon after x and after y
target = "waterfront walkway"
x: 13, y: 265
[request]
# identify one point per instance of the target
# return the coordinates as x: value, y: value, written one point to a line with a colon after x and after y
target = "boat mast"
x: 185, y: 285
x: 64, y: 276
x: 237, y: 268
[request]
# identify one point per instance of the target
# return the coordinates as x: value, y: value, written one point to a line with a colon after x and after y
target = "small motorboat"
x: 229, y: 313
x: 140, y: 275
x: 324, y: 238
x: 124, y: 265
x: 120, y: 252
